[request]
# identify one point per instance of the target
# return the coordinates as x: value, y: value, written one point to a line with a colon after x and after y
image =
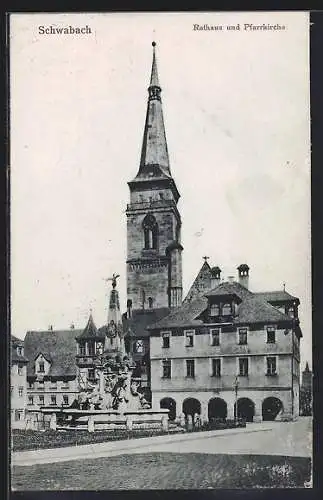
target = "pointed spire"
x: 90, y: 330
x: 154, y: 82
x: 154, y: 161
x: 307, y: 368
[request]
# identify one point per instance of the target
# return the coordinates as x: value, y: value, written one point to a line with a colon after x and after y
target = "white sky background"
x: 236, y: 110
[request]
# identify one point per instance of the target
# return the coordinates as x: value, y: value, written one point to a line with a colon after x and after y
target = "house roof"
x: 202, y: 282
x: 277, y: 296
x: 15, y: 357
x: 141, y: 318
x: 252, y: 309
x: 90, y: 331
x: 230, y: 288
x: 58, y: 345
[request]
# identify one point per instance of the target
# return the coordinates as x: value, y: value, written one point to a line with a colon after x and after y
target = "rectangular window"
x: 65, y: 399
x: 65, y: 384
x: 243, y: 336
x: 189, y: 338
x: 271, y: 335
x: 215, y: 336
x: 82, y: 349
x: 20, y: 367
x: 53, y: 384
x: 167, y: 368
x: 165, y: 339
x: 91, y: 374
x: 53, y: 400
x: 190, y: 368
x: 214, y: 310
x: 20, y: 351
x: 31, y: 385
x: 19, y: 415
x: 226, y: 310
x: 271, y: 365
x: 216, y: 367
x: 41, y: 385
x: 21, y: 392
x: 41, y: 400
x: 243, y: 367
x: 30, y: 400
x: 91, y: 348
x: 41, y: 367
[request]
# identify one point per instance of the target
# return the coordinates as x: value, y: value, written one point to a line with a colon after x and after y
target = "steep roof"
x: 58, y: 345
x: 90, y: 331
x: 136, y: 326
x: 252, y: 309
x: 201, y: 284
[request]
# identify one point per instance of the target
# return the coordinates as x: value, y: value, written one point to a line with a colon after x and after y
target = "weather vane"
x: 113, y: 279
x: 206, y: 258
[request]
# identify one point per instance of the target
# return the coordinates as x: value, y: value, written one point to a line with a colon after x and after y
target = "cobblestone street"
x: 273, y: 457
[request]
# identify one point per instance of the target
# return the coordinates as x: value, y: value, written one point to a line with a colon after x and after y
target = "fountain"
x: 109, y: 396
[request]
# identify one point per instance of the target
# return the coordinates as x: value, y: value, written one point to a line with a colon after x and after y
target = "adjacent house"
x: 18, y: 382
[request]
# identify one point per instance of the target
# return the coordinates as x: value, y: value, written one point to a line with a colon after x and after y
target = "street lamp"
x: 236, y: 386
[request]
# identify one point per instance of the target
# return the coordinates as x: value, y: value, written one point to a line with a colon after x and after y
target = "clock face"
x: 139, y: 346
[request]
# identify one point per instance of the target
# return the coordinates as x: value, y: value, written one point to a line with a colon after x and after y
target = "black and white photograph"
x: 160, y: 251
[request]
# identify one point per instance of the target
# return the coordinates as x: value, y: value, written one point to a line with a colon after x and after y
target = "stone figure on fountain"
x: 112, y: 387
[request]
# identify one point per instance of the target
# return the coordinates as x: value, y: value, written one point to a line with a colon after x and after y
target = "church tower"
x: 154, y: 261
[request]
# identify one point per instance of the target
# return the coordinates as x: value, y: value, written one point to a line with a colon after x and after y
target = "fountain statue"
x: 113, y: 387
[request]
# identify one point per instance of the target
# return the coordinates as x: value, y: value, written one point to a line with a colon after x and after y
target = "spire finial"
x: 154, y: 82
x: 206, y: 258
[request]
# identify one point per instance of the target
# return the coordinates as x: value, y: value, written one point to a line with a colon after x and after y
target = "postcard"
x: 160, y: 251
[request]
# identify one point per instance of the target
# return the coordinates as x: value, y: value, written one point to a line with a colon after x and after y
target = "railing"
x: 151, y: 204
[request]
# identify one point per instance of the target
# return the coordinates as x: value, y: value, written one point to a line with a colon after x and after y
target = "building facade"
x: 228, y: 352
x: 51, y: 371
x: 18, y: 382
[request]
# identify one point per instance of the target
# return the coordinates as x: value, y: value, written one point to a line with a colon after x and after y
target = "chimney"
x: 216, y: 276
x: 129, y: 308
x: 50, y: 328
x: 72, y: 326
x: 230, y: 279
x: 243, y: 274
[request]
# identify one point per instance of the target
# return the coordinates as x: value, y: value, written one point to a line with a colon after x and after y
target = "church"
x: 221, y: 350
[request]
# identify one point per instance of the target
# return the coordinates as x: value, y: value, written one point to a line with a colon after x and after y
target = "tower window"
x: 150, y: 302
x: 150, y: 232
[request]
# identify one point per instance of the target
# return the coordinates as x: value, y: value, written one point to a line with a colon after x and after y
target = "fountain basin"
x: 66, y: 418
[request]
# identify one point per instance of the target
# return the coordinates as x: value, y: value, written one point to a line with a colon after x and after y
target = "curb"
x: 94, y: 450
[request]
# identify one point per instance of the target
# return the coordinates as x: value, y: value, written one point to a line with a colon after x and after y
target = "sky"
x: 237, y: 117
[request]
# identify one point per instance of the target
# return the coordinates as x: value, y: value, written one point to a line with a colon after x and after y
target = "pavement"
x: 265, y: 438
